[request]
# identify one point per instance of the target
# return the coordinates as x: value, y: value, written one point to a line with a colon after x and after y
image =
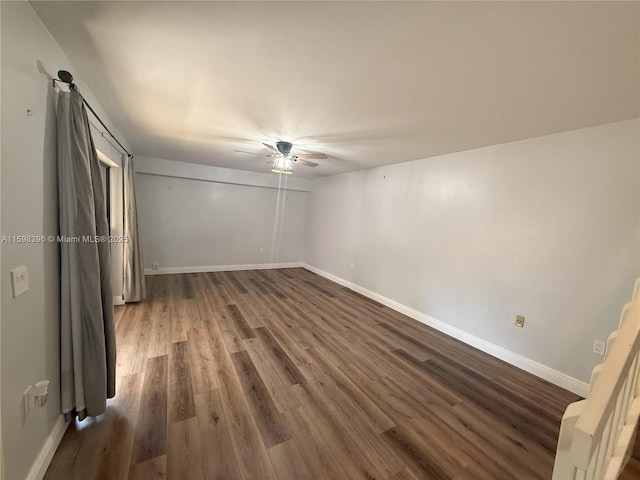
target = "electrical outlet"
x: 519, y: 321
x: 599, y: 347
x: 155, y: 266
x: 27, y: 399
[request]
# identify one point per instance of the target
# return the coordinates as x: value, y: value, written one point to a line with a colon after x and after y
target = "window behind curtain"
x: 104, y: 170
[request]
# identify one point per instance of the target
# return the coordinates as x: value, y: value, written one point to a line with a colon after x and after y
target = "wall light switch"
x: 19, y: 280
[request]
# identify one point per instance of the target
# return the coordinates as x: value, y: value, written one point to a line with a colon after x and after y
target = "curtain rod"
x: 67, y: 78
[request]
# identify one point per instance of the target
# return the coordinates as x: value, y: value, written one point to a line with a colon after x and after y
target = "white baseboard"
x: 557, y: 378
x: 220, y: 268
x: 118, y: 300
x: 39, y: 467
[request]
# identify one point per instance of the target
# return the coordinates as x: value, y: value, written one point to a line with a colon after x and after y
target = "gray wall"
x: 546, y: 228
x: 29, y: 331
x: 198, y: 222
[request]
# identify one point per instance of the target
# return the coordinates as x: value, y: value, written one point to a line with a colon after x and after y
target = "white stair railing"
x: 596, y: 435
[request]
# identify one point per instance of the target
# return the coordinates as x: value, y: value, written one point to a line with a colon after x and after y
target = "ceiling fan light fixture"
x: 282, y: 164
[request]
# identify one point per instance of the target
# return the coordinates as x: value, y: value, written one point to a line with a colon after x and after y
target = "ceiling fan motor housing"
x: 284, y: 148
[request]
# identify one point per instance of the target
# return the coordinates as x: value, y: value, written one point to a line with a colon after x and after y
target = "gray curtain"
x: 87, y: 332
x: 134, y: 287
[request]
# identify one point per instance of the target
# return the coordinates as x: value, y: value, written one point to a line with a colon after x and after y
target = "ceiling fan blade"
x: 311, y: 156
x: 253, y: 153
x: 271, y: 147
x: 305, y: 162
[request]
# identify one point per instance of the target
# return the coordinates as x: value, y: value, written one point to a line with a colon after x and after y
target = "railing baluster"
x: 624, y: 408
x: 614, y: 425
x: 590, y: 473
x: 634, y: 376
x: 601, y: 451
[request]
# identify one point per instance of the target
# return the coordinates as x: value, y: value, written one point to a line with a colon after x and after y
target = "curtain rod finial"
x: 67, y: 78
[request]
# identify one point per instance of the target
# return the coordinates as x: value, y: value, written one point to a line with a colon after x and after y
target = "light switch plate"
x: 19, y: 280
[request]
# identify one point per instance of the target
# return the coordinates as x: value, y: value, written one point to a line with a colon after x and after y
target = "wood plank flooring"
x: 632, y: 469
x: 282, y: 374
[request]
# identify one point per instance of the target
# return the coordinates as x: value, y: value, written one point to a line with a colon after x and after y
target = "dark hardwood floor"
x: 282, y: 374
x: 632, y: 469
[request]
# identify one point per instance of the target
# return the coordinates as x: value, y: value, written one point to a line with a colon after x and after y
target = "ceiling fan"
x: 283, y: 159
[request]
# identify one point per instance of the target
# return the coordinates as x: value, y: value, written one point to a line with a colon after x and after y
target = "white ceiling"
x: 366, y: 83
